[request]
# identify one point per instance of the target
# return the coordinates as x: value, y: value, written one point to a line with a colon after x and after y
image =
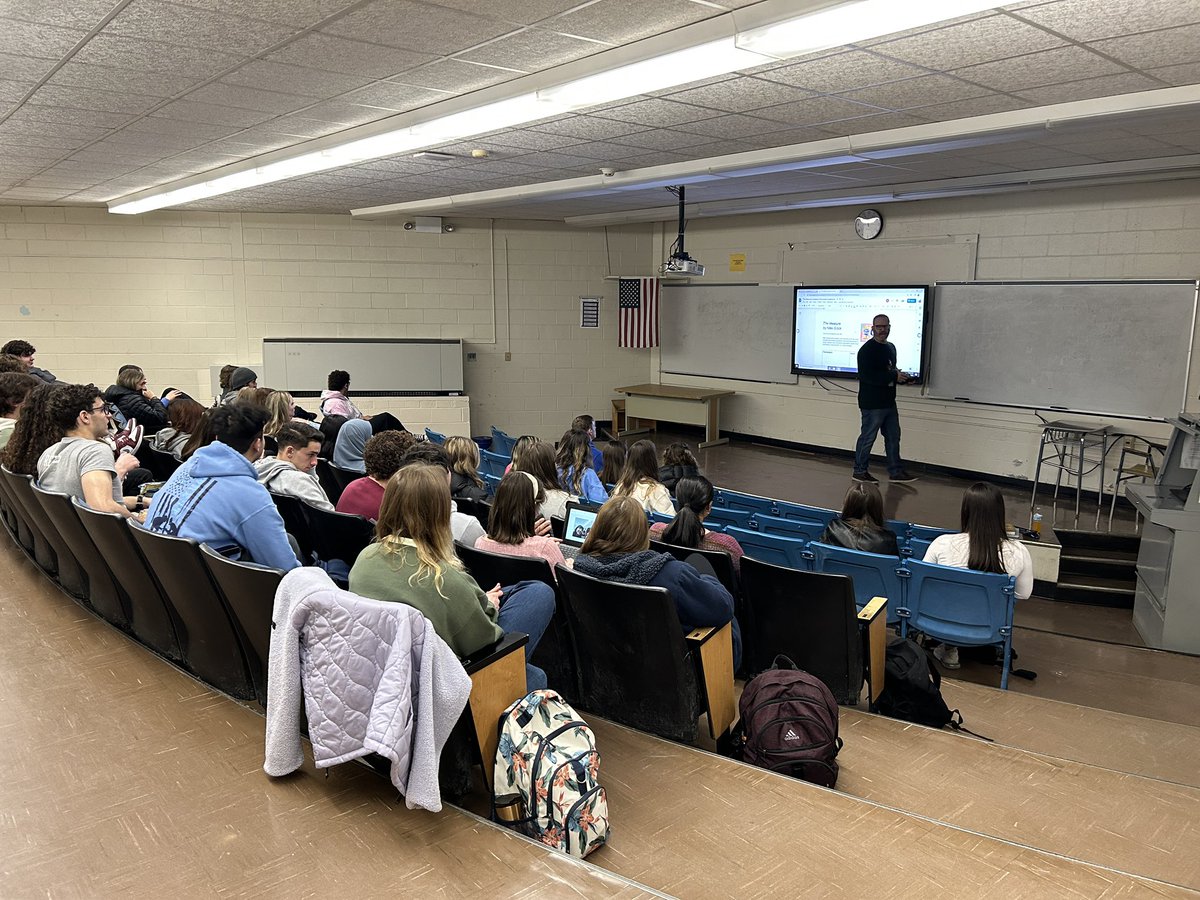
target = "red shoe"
x: 129, y: 438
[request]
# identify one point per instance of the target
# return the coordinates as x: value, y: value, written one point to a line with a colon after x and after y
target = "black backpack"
x: 912, y: 689
x: 789, y: 724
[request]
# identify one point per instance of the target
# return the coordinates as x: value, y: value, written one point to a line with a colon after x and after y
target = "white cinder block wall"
x: 177, y: 292
x: 1130, y: 231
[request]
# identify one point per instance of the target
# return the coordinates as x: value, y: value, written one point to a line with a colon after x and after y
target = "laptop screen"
x: 578, y: 524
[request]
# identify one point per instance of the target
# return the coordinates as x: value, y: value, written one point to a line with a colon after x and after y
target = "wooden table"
x: 668, y: 403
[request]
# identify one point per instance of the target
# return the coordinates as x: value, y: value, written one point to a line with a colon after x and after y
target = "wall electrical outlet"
x: 472, y: 356
x: 508, y: 356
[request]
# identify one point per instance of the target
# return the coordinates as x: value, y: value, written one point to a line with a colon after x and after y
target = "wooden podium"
x: 668, y: 403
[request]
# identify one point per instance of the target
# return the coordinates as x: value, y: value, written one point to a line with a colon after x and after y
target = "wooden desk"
x: 668, y: 403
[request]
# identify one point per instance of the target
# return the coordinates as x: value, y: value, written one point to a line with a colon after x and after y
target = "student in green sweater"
x: 413, y: 561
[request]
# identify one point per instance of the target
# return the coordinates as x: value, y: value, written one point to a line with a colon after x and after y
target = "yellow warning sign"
x: 737, y: 262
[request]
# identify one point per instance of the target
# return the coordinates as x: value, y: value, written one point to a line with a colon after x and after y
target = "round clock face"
x: 869, y: 224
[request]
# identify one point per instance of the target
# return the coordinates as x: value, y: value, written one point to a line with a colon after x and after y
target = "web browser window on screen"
x: 832, y: 323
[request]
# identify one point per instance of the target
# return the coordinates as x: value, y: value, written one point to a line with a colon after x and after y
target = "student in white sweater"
x: 982, y: 546
x: 639, y: 479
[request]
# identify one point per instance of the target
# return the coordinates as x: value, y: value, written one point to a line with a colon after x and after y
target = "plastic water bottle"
x: 1037, y: 521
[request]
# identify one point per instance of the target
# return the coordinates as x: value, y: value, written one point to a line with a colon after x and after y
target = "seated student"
x: 575, y: 473
x: 382, y: 457
x: 282, y: 407
x: 465, y: 529
x: 254, y: 395
x: 413, y: 561
x: 512, y: 523
x: 520, y: 445
x: 10, y: 363
x: 588, y: 424
x: 613, y: 454
x: 639, y: 479
x: 14, y: 388
x: 618, y: 549
x: 80, y: 464
x: 290, y: 470
x: 695, y: 496
x: 240, y: 377
x: 336, y: 402
x: 133, y: 397
x: 351, y: 441
x: 34, y: 431
x: 183, y: 418
x: 982, y: 546
x: 26, y: 352
x: 860, y: 526
x: 223, y: 382
x: 201, y: 436
x: 538, y: 460
x: 215, y: 497
x: 465, y: 482
x: 678, y: 462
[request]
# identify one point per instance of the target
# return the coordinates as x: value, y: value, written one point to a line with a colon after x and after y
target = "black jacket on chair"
x: 151, y: 414
x: 841, y: 533
x: 669, y: 475
x: 462, y: 486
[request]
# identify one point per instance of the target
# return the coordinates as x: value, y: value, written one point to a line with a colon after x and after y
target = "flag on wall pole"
x: 637, y: 299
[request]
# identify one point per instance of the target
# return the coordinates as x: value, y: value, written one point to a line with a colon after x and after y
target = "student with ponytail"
x: 695, y: 496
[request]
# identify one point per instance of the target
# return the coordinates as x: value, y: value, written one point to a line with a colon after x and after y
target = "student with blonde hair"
x: 639, y: 479
x: 465, y: 482
x: 412, y: 561
x: 618, y: 549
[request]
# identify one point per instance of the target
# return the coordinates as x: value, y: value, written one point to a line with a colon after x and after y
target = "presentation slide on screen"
x: 832, y: 323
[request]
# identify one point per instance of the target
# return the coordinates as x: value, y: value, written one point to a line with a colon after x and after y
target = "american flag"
x: 637, y: 299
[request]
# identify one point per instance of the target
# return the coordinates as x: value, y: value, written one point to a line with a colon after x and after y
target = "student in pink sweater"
x: 695, y: 496
x: 512, y: 523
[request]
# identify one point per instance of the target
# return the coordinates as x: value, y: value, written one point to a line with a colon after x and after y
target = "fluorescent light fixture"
x: 813, y: 30
x: 848, y: 23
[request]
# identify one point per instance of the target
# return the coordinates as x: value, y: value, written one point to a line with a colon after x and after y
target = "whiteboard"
x: 377, y: 367
x: 739, y: 331
x: 1112, y: 347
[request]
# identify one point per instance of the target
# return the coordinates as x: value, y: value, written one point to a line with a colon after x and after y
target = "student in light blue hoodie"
x: 215, y: 497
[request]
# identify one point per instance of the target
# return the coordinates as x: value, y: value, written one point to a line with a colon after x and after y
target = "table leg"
x: 712, y: 430
x: 1079, y: 478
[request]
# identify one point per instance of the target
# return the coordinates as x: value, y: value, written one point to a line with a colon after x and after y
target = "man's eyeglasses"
x: 107, y: 408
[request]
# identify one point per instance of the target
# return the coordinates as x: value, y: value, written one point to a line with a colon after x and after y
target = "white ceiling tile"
x: 965, y: 109
x: 81, y: 14
x: 656, y: 112
x: 299, y: 125
x: 155, y: 56
x: 739, y: 94
x: 721, y: 148
x: 533, y: 50
x: 24, y: 68
x: 326, y: 51
x: 816, y: 111
x: 624, y: 21
x: 1142, y: 51
x: 842, y: 72
x: 1038, y: 69
x: 868, y: 124
x: 791, y: 136
x: 1085, y: 20
x: 912, y: 92
x: 32, y: 112
x: 588, y: 127
x: 301, y: 13
x: 42, y: 41
x: 531, y: 140
x: 1088, y: 88
x: 188, y: 111
x: 1188, y: 73
x: 272, y: 76
x: 732, y: 127
x: 523, y: 12
x: 14, y: 90
x: 668, y: 139
x: 249, y: 98
x: 191, y: 27
x: 388, y: 95
x: 456, y: 76
x: 107, y: 78
x: 188, y: 133
x: 442, y: 31
x: 977, y: 41
x: 106, y: 101
x: 344, y: 114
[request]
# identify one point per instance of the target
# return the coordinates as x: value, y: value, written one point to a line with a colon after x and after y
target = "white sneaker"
x: 947, y: 656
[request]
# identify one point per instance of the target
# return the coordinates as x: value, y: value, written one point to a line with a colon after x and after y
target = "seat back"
x: 329, y: 483
x: 434, y: 436
x: 295, y: 522
x: 809, y: 617
x: 630, y: 652
x: 478, y: 508
x: 655, y: 516
x: 160, y: 463
x: 874, y: 574
x: 502, y: 443
x: 208, y: 641
x: 719, y: 517
x: 812, y: 515
x: 29, y: 513
x: 68, y: 571
x: 151, y: 616
x: 724, y: 499
x: 721, y: 562
x: 249, y: 593
x: 927, y: 532
x: 338, y: 536
x: 343, y: 477
x: 493, y: 463
x: 803, y: 529
x: 916, y: 548
x: 102, y: 593
x: 8, y: 509
x: 492, y: 482
x: 772, y: 548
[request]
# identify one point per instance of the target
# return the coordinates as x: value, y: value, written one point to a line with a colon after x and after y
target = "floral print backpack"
x: 546, y: 768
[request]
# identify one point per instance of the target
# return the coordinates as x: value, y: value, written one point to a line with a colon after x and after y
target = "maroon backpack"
x: 789, y: 724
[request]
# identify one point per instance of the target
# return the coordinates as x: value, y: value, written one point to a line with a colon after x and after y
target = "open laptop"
x: 578, y: 523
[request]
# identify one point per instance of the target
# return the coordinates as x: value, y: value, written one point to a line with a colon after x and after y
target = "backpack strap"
x: 956, y: 723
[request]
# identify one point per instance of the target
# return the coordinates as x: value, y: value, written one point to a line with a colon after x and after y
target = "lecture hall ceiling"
x: 100, y: 99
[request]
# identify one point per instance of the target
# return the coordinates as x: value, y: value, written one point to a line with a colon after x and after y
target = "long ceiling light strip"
x: 791, y: 36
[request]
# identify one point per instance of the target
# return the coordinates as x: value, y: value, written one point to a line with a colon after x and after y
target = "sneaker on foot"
x: 902, y: 478
x: 129, y: 440
x: 865, y: 478
x: 947, y: 656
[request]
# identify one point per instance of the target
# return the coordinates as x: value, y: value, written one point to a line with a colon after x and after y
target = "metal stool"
x: 1143, y: 470
x: 1064, y: 446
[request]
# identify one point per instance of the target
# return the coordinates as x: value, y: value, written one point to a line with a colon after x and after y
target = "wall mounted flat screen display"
x: 831, y: 323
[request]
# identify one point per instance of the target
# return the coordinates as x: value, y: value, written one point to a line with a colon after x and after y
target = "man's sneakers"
x: 947, y: 656
x: 129, y: 438
x: 865, y: 478
x: 902, y: 478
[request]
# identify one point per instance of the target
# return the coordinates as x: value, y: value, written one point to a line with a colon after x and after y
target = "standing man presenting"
x: 877, y: 379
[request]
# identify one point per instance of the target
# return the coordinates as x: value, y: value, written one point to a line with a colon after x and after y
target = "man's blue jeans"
x: 527, y: 607
x: 873, y: 421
